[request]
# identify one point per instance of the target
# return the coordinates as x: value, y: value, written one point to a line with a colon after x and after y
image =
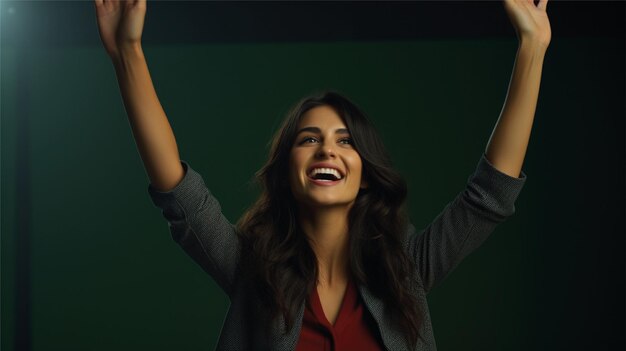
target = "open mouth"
x: 325, y: 175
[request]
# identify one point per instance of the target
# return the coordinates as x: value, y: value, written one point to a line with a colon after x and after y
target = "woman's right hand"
x: 120, y: 23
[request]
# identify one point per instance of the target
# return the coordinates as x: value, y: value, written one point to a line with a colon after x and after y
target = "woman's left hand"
x: 530, y: 21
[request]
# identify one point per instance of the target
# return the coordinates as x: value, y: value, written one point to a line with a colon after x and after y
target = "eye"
x: 306, y: 140
x: 347, y: 141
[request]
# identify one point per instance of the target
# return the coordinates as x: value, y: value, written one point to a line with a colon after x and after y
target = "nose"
x: 325, y: 150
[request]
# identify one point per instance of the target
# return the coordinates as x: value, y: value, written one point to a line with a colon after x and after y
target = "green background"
x: 106, y: 275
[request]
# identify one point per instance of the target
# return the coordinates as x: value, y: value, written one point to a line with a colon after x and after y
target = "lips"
x: 325, y: 174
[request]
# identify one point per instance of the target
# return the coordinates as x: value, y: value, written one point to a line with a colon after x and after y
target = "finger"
x: 135, y: 4
x: 542, y: 4
x: 103, y: 7
x: 109, y: 5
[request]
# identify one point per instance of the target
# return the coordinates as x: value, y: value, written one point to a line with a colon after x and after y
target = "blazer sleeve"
x: 197, y: 224
x: 464, y: 224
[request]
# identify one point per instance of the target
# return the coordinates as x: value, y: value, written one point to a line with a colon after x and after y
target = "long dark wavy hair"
x: 275, y: 252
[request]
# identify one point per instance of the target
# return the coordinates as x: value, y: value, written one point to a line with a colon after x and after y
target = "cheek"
x: 357, y: 167
x: 293, y: 168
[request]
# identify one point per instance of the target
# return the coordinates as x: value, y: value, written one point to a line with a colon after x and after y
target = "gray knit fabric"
x: 197, y: 224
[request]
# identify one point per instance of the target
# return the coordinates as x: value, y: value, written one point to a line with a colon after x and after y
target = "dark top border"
x: 188, y: 22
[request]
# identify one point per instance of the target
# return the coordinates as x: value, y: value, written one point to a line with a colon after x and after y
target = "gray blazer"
x: 197, y: 224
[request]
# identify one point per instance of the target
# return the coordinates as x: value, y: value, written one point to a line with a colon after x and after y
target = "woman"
x: 326, y: 259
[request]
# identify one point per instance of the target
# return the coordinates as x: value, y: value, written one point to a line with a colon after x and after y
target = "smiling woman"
x: 326, y: 258
x: 323, y: 157
x: 319, y: 236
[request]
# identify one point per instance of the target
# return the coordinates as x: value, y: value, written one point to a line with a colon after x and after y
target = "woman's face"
x: 324, y: 167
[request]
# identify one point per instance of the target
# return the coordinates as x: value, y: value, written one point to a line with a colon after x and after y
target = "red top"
x: 354, y: 329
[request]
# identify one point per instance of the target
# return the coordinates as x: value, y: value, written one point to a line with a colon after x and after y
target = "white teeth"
x: 316, y: 171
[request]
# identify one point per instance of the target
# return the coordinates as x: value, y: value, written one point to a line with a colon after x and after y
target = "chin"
x: 327, y: 202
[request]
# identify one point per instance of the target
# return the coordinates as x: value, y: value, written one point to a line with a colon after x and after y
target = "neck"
x: 327, y: 232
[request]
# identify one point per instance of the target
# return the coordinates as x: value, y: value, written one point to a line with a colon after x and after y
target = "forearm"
x: 507, y: 145
x: 151, y: 129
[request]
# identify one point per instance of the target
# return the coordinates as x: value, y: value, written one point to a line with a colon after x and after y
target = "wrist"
x: 126, y: 52
x: 534, y: 45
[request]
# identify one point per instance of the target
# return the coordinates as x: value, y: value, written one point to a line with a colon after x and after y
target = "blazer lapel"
x: 281, y: 341
x: 392, y: 337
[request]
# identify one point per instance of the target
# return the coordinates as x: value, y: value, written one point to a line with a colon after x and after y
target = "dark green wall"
x: 106, y: 275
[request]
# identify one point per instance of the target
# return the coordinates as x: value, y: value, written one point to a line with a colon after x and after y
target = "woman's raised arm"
x: 507, y: 145
x: 120, y: 24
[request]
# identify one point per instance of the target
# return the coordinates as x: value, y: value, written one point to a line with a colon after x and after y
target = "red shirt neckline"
x: 354, y: 329
x: 348, y: 305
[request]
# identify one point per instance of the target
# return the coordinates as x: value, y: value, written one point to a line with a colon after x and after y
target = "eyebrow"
x: 319, y: 131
